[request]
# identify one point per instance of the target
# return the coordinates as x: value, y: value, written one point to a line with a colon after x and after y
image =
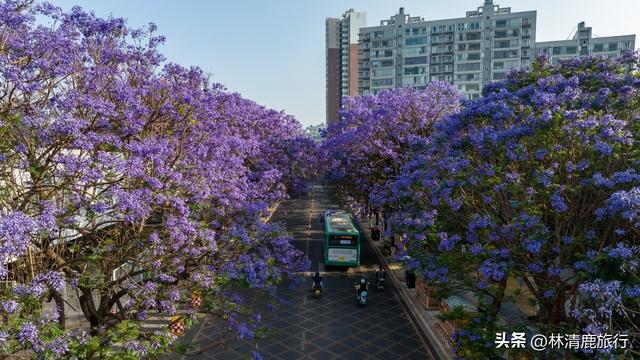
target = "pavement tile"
x: 386, y: 355
x: 416, y: 355
x: 310, y: 348
x: 291, y: 355
x: 225, y: 355
x: 355, y: 355
x: 372, y: 348
x: 341, y: 348
x: 322, y: 342
x: 275, y: 348
x: 324, y: 355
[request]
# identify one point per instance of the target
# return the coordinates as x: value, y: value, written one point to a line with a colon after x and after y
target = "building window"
x: 474, y: 56
x: 382, y: 82
x: 415, y: 31
x: 415, y: 70
x: 556, y: 50
x: 415, y: 60
x: 502, y: 44
x: 382, y: 72
x: 500, y: 34
x: 468, y: 77
x: 381, y: 63
x: 474, y: 46
x: 505, y: 54
x: 415, y: 50
x: 473, y: 87
x: 598, y: 47
x: 472, y: 36
x: 500, y: 23
x: 499, y: 76
x: 378, y: 44
x: 382, y: 53
x: 570, y: 50
x: 613, y: 46
x: 468, y: 67
x: 416, y: 41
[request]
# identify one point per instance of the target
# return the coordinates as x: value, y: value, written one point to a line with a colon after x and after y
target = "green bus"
x: 341, y: 239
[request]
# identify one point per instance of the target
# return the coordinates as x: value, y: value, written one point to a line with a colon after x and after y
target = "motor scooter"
x: 317, y: 290
x: 362, y: 297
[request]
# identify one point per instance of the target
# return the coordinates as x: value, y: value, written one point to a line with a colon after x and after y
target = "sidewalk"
x: 424, y: 319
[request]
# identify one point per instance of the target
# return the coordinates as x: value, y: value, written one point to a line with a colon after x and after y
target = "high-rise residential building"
x: 342, y: 58
x: 469, y: 51
x: 584, y: 43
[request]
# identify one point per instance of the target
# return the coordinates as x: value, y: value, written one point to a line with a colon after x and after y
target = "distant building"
x: 315, y: 132
x: 468, y: 52
x: 584, y: 43
x: 342, y: 59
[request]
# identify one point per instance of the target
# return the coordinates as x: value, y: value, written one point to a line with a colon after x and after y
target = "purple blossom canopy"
x: 131, y: 177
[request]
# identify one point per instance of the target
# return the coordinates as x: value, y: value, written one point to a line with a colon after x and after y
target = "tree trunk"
x: 557, y: 311
x: 57, y: 297
x: 88, y: 307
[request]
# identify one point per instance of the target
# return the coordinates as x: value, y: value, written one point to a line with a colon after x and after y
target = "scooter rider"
x: 363, y: 286
x: 317, y: 280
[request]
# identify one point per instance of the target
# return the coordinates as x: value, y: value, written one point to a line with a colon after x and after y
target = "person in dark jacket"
x: 362, y: 286
x: 317, y: 280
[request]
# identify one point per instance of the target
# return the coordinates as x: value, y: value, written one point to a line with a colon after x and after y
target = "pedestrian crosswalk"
x: 352, y: 272
x: 160, y: 321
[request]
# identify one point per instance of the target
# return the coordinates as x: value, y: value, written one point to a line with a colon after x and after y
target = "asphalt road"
x: 333, y: 326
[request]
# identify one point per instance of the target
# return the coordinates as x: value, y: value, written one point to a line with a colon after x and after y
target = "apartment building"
x: 342, y: 59
x: 583, y: 43
x: 468, y: 51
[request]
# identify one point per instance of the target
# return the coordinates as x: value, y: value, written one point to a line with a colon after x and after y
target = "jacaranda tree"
x: 537, y: 182
x: 130, y: 183
x: 365, y: 151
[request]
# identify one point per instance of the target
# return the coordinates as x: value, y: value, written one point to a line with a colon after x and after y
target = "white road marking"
x: 304, y: 340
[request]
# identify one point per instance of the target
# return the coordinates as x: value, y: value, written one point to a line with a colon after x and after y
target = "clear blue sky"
x: 273, y: 51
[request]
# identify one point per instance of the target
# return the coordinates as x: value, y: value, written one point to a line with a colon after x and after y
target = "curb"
x: 433, y: 340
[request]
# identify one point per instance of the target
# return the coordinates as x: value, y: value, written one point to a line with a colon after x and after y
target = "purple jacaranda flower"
x: 28, y: 333
x: 58, y: 347
x: 9, y: 306
x: 558, y: 203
